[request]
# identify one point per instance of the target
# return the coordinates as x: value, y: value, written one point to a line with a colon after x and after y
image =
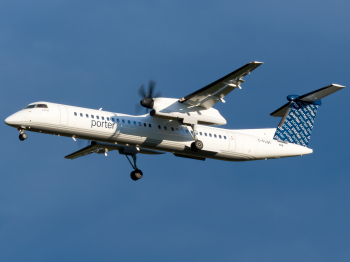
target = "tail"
x: 299, y: 114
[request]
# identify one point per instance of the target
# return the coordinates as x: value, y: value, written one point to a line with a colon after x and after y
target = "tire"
x: 21, y: 137
x: 193, y: 147
x: 132, y: 175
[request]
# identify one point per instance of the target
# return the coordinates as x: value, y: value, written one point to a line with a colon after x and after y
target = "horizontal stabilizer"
x: 308, y: 98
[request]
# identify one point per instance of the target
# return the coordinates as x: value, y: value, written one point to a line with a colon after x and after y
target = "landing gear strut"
x: 197, y: 144
x: 137, y: 173
x: 22, y: 136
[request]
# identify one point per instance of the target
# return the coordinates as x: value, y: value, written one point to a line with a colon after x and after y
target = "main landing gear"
x: 22, y: 136
x: 197, y: 144
x: 137, y: 173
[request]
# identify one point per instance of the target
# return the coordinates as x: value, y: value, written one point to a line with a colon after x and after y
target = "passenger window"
x: 117, y: 120
x: 181, y: 130
x: 140, y: 124
x: 172, y: 129
x: 210, y: 134
x: 75, y: 113
x: 92, y: 116
x: 102, y: 117
x: 112, y: 119
x: 97, y: 117
x: 177, y: 130
x: 144, y: 124
x: 41, y: 105
x: 205, y: 134
x: 159, y: 127
x: 135, y: 123
x: 186, y: 131
x: 129, y: 122
x: 87, y: 116
x: 220, y: 136
x: 123, y: 121
x: 165, y: 128
x: 107, y: 118
x: 224, y: 137
x: 215, y: 135
x: 81, y: 114
x: 200, y: 133
x: 149, y: 125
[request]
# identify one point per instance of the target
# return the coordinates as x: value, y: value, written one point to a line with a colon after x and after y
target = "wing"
x: 209, y: 95
x: 103, y: 148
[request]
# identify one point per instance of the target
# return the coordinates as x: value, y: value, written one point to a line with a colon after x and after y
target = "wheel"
x: 23, y: 136
x: 197, y: 145
x: 136, y: 175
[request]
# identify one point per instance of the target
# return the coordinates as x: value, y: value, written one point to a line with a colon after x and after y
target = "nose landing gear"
x: 22, y: 136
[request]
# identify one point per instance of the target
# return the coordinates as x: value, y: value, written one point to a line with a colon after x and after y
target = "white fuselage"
x: 150, y: 132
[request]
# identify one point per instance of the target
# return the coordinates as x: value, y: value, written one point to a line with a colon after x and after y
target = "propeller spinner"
x: 147, y: 100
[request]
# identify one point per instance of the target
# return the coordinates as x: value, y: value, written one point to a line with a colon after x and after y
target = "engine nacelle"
x: 170, y: 108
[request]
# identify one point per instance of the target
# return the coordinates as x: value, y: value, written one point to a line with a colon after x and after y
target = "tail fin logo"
x: 298, y: 124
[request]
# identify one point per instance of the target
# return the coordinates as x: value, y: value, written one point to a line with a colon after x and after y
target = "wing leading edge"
x: 209, y: 95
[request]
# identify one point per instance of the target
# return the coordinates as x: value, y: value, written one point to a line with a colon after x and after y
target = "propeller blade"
x: 151, y: 86
x: 142, y: 91
x: 138, y: 108
x: 158, y: 94
x: 82, y: 142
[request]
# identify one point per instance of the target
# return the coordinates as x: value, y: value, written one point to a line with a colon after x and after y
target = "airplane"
x: 184, y: 127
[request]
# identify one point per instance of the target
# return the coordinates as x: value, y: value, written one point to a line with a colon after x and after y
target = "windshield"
x: 41, y: 105
x: 29, y: 106
x: 36, y: 106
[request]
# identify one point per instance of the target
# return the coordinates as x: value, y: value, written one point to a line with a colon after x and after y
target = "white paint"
x: 239, y: 145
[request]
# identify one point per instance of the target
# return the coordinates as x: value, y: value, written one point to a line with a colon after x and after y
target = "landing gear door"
x: 232, y: 141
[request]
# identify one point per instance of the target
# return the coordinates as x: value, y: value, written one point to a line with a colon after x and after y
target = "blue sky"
x: 96, y: 55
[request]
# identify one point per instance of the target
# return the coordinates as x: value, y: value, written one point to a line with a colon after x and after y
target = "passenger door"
x: 64, y: 115
x: 232, y: 141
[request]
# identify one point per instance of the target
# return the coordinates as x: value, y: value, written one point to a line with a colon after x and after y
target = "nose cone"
x: 12, y: 120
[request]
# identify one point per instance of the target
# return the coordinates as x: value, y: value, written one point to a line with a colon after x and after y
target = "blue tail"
x: 298, y: 115
x: 297, y: 126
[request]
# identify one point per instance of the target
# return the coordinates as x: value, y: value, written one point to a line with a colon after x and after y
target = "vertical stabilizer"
x: 298, y: 115
x: 297, y: 123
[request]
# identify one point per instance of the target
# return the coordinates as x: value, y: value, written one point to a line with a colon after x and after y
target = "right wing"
x: 103, y: 148
x: 209, y: 95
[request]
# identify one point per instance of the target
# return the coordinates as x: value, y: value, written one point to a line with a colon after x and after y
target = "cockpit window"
x: 29, y: 106
x: 41, y: 105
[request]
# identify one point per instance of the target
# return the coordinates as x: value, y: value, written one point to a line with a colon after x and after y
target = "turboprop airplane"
x: 184, y: 127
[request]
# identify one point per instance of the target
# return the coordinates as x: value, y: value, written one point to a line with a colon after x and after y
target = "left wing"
x: 211, y: 94
x: 103, y: 148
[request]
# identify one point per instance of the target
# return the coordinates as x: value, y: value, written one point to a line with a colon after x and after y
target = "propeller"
x: 82, y: 142
x: 147, y: 97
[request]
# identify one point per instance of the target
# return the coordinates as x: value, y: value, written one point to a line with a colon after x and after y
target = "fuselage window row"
x: 145, y: 125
